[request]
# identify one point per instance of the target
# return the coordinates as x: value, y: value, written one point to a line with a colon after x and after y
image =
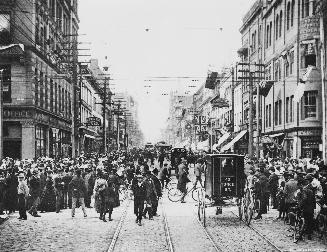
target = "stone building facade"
x: 37, y: 53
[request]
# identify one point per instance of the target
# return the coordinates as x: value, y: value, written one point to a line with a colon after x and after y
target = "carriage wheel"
x: 204, y: 213
x: 240, y: 208
x: 175, y: 195
x: 199, y: 206
x: 248, y: 206
x: 196, y: 192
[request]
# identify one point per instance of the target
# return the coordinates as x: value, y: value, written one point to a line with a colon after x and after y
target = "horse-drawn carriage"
x: 224, y: 183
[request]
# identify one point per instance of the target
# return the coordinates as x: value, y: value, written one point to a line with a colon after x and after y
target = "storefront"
x: 29, y: 133
x: 310, y: 146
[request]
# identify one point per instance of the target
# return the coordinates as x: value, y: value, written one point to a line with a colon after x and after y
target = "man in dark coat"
x: 35, y: 192
x: 139, y: 192
x: 67, y: 177
x: 262, y: 190
x: 306, y: 201
x: 11, y: 192
x: 157, y: 184
x: 151, y: 195
x: 273, y: 186
x: 78, y: 188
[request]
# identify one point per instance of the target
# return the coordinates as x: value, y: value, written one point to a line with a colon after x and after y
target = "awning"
x: 222, y: 139
x: 182, y: 144
x: 276, y: 135
x: 231, y: 143
x: 12, y: 50
x: 203, y: 145
x: 89, y: 136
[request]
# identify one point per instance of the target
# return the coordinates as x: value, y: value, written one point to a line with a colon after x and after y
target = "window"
x: 56, y: 98
x: 276, y: 113
x: 309, y: 104
x: 51, y: 95
x: 94, y: 103
x: 292, y: 12
x: 276, y: 70
x: 59, y: 99
x: 40, y: 145
x: 269, y: 115
x: 41, y: 90
x: 259, y: 35
x: 6, y: 83
x: 287, y: 68
x: 291, y: 62
x: 5, y: 37
x: 270, y: 28
x: 288, y: 15
x: 309, y: 55
x: 267, y: 37
x: 287, y: 109
x: 292, y: 108
x: 305, y: 8
x: 280, y: 23
x: 280, y: 112
x: 277, y: 27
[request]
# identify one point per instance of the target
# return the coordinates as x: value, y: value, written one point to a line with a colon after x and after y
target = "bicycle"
x: 321, y: 221
x: 297, y: 222
x: 176, y: 195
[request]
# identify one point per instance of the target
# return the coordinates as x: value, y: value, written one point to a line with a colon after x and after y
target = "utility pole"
x: 104, y: 105
x: 118, y: 112
x: 250, y: 146
x: 75, y: 102
x: 257, y: 149
x: 1, y: 114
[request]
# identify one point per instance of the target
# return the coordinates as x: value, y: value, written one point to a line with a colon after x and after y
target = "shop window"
x: 40, y: 141
x: 309, y: 104
x: 309, y: 55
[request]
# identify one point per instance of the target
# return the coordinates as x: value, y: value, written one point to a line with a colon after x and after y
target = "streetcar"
x: 224, y: 184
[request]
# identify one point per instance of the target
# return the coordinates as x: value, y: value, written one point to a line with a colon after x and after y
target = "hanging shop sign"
x: 309, y: 27
x: 93, y: 121
x: 220, y: 103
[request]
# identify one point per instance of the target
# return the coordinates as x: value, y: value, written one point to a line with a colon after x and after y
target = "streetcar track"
x: 166, y: 228
x: 208, y: 235
x: 260, y: 234
x: 118, y: 229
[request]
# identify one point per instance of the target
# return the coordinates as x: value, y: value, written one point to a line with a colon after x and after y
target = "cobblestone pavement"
x: 59, y: 232
x: 150, y: 237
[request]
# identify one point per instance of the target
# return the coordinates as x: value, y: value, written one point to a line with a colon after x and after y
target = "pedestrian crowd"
x: 290, y: 185
x: 93, y: 180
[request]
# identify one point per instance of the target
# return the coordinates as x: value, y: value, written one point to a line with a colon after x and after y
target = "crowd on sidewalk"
x: 290, y: 184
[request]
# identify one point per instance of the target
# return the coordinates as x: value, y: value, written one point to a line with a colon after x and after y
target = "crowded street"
x: 174, y: 126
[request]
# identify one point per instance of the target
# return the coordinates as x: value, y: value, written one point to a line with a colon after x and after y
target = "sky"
x: 143, y: 40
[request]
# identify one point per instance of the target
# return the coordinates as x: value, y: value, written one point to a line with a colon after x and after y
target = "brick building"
x: 284, y: 36
x: 37, y: 47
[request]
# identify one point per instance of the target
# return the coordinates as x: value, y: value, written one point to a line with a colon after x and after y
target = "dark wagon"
x: 224, y: 183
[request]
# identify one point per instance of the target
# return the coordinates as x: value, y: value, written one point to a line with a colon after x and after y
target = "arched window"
x: 277, y: 26
x: 270, y: 32
x: 288, y: 15
x: 280, y: 23
x: 292, y: 12
x: 267, y: 37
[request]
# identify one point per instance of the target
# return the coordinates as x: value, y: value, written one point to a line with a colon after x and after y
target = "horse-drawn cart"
x: 225, y: 182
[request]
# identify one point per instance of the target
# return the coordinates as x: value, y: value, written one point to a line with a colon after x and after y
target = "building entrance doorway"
x: 12, y: 149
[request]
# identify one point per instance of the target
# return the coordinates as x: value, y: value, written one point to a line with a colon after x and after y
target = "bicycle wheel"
x: 199, y: 206
x: 204, y: 213
x: 195, y: 193
x: 175, y: 195
x: 321, y: 224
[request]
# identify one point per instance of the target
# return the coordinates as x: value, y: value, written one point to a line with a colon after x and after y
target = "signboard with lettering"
x: 309, y: 27
x: 93, y: 121
x: 228, y: 186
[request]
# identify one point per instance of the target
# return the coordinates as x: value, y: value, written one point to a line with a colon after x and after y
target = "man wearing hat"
x: 139, y: 192
x: 307, y: 204
x: 35, y: 192
x: 23, y: 192
x: 291, y: 187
